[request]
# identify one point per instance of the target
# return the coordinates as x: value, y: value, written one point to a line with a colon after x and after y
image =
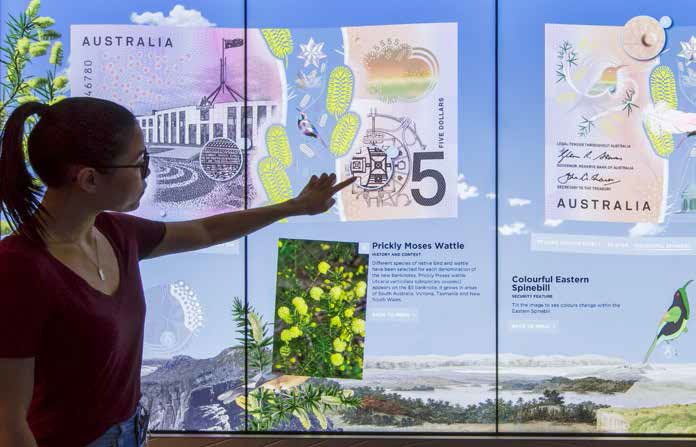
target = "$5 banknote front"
x: 377, y: 102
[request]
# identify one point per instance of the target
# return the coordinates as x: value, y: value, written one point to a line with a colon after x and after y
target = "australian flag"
x: 233, y: 43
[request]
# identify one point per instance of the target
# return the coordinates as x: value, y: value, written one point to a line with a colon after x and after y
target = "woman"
x: 71, y: 329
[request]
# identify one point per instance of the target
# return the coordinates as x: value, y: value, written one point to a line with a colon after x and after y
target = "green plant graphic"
x: 278, y: 144
x: 339, y: 91
x: 320, y: 309
x: 275, y: 180
x: 344, y: 133
x: 663, y: 89
x: 279, y: 41
x: 28, y: 38
x: 267, y: 404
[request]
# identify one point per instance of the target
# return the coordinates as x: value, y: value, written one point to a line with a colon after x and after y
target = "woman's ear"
x: 85, y: 177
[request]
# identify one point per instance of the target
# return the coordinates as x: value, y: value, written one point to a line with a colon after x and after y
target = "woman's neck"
x: 69, y: 220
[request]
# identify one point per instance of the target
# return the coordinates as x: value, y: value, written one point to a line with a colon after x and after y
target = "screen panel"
x: 399, y: 96
x: 331, y: 92
x: 594, y: 234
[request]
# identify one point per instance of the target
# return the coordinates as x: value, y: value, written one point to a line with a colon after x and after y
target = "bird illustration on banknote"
x: 307, y: 128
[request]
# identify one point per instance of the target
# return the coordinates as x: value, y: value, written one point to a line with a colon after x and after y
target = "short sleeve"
x: 25, y: 306
x: 147, y: 233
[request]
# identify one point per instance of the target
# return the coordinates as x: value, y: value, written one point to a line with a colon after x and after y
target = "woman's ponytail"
x: 20, y: 196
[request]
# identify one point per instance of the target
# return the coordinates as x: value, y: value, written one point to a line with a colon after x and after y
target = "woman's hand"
x: 317, y: 196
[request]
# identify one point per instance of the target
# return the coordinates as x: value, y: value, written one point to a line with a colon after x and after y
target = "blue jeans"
x: 129, y: 433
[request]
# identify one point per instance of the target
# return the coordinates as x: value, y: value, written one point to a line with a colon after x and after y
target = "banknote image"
x: 377, y: 102
x: 602, y: 162
x: 390, y: 111
x: 186, y: 88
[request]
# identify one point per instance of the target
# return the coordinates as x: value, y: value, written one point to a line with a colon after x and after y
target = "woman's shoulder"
x: 19, y: 257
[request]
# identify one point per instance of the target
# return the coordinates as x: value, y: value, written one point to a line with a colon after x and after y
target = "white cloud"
x: 645, y: 229
x: 516, y: 228
x: 178, y: 16
x: 553, y: 222
x: 519, y: 202
x: 465, y: 190
x: 490, y: 195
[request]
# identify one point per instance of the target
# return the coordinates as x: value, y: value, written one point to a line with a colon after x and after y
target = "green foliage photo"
x: 272, y: 401
x: 320, y: 309
x: 28, y: 37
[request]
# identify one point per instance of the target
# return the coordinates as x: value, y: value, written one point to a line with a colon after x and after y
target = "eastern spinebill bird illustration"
x: 606, y: 82
x: 307, y: 128
x: 673, y: 323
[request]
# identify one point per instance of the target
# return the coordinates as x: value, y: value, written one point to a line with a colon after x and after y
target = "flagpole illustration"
x: 207, y: 101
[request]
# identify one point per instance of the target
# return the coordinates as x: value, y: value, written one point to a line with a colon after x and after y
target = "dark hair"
x: 81, y: 130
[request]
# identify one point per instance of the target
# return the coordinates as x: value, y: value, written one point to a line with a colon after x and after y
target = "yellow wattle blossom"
x: 285, y: 335
x: 336, y: 359
x: 316, y: 293
x: 256, y: 327
x: 58, y: 98
x: 325, y: 246
x: 295, y: 332
x: 301, y: 309
x: 284, y: 350
x: 358, y: 326
x: 36, y: 82
x: 284, y: 314
x: 339, y: 345
x: 33, y: 8
x: 43, y: 21
x: 280, y: 244
x: 323, y: 267
x: 27, y: 98
x: 335, y: 321
x: 349, y: 312
x: 38, y: 48
x: 56, y: 58
x: 360, y: 289
x: 23, y: 45
x: 336, y: 293
x: 345, y: 335
x: 297, y: 300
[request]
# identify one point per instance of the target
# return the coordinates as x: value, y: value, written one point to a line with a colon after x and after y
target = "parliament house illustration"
x: 181, y: 132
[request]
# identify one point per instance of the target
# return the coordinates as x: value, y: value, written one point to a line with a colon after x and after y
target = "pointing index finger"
x: 342, y: 185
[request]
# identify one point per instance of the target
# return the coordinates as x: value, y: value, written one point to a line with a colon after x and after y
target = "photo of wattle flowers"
x: 321, y: 290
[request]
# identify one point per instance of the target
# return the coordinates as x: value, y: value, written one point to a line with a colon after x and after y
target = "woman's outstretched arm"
x: 315, y: 198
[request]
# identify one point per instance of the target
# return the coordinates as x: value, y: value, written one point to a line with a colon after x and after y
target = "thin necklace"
x: 96, y: 249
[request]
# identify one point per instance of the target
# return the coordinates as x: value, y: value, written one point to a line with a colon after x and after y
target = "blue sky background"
x: 643, y: 285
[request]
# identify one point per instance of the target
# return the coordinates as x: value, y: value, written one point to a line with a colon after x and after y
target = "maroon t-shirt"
x: 87, y: 345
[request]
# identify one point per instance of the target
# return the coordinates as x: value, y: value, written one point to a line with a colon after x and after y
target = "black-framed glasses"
x: 144, y: 165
